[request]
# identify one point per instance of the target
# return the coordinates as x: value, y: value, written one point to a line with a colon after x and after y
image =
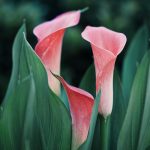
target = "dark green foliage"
x: 118, y: 112
x: 135, y: 52
x: 88, y: 83
x: 16, y: 52
x: 134, y: 134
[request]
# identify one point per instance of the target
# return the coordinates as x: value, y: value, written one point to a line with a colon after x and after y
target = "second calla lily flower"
x: 106, y: 45
x: 50, y: 36
x: 81, y: 104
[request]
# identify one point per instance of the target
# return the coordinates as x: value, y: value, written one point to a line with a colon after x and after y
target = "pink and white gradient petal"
x: 106, y: 46
x: 50, y: 37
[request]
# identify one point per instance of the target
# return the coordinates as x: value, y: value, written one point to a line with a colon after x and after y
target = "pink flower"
x: 50, y: 36
x: 81, y: 103
x: 106, y: 45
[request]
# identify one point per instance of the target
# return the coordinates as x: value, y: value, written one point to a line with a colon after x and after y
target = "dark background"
x: 120, y: 15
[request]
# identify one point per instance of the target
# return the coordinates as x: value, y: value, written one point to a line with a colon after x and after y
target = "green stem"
x: 104, y: 133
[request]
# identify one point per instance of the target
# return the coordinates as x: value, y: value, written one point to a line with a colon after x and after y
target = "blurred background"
x: 120, y: 15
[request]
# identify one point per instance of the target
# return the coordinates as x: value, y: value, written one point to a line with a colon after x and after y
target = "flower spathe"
x: 50, y: 36
x: 81, y: 104
x: 106, y: 45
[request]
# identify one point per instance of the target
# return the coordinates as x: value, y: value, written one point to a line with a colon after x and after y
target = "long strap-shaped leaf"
x: 135, y: 130
x: 135, y: 52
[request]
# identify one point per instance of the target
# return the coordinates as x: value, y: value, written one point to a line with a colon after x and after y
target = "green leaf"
x: 135, y: 53
x: 104, y: 132
x: 136, y: 122
x: 88, y: 143
x: 88, y: 82
x: 144, y: 138
x: 17, y: 47
x: 96, y: 139
x: 33, y: 116
x: 17, y: 123
x: 118, y: 112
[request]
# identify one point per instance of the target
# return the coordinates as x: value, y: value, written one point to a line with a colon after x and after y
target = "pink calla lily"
x: 50, y: 36
x: 106, y: 45
x: 81, y: 104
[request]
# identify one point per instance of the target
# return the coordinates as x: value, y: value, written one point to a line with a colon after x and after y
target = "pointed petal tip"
x: 62, y: 21
x: 77, y: 90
